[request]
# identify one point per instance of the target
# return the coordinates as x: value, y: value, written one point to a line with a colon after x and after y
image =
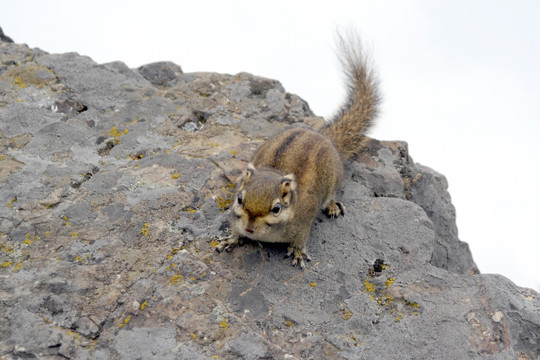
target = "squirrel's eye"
x: 276, y: 209
x: 239, y: 199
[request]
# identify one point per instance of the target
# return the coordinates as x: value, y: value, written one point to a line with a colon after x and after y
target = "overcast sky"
x: 460, y: 79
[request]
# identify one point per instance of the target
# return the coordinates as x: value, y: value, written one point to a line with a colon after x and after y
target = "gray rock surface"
x: 114, y: 186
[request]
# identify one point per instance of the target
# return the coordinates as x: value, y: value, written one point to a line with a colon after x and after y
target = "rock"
x: 114, y: 188
x: 4, y: 37
x: 160, y: 73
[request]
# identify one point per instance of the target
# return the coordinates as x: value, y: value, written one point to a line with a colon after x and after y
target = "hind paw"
x: 335, y: 209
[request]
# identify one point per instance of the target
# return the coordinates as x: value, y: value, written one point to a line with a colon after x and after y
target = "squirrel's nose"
x: 249, y: 230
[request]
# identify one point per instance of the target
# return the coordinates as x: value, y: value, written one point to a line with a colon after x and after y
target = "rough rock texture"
x: 114, y: 186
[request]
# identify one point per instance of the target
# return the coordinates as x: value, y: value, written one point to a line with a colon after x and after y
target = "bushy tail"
x: 347, y: 129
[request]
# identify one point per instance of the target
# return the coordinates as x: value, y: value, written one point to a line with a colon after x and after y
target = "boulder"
x: 114, y: 190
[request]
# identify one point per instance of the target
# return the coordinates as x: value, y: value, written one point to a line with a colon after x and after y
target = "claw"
x: 227, y: 244
x: 298, y: 256
x: 289, y: 252
x: 335, y: 209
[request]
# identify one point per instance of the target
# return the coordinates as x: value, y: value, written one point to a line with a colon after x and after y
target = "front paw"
x: 227, y: 244
x: 298, y: 256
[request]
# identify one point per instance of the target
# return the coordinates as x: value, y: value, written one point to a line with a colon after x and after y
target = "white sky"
x: 461, y: 83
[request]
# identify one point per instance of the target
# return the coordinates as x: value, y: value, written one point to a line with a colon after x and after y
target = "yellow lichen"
x: 144, y: 230
x: 126, y: 320
x: 176, y: 279
x: 19, y: 81
x: 74, y: 334
x: 223, y: 324
x: 27, y: 240
x: 7, y: 248
x: 389, y: 282
x: 178, y: 143
x: 78, y: 258
x: 74, y: 234
x: 175, y: 176
x: 115, y: 133
x: 6, y: 264
x: 369, y: 286
x: 223, y: 204
x: 413, y: 304
x: 347, y: 314
x: 214, y: 243
x: 13, y: 200
x: 193, y: 335
x: 313, y: 284
x: 144, y: 304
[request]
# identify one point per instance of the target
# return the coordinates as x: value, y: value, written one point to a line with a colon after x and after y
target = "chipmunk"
x: 297, y: 172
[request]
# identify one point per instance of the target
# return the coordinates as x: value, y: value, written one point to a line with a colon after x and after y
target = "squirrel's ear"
x: 287, y: 188
x: 246, y: 175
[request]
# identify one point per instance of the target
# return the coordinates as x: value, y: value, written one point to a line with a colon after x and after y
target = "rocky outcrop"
x: 114, y: 189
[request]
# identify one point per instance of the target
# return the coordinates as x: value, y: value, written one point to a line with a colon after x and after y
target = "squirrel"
x: 297, y: 171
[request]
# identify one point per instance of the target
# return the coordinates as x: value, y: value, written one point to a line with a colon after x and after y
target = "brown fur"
x: 297, y: 171
x: 349, y: 126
